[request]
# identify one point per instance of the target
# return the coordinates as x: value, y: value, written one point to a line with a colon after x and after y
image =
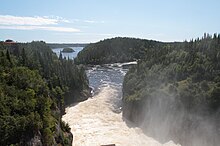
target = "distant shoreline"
x: 57, y: 45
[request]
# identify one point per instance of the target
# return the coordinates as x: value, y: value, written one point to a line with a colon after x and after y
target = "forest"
x: 174, y: 90
x: 115, y: 50
x: 34, y: 83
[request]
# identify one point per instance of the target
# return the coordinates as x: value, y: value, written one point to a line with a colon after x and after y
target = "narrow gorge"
x: 98, y: 120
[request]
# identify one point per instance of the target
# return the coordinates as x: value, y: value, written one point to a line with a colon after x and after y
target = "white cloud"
x: 40, y: 23
x: 34, y: 23
x: 58, y: 18
x: 49, y: 28
x: 15, y: 20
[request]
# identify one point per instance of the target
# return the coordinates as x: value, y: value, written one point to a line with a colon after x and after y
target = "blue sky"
x: 80, y: 21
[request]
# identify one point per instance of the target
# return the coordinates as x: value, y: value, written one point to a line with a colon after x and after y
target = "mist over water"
x: 172, y: 121
x: 98, y: 120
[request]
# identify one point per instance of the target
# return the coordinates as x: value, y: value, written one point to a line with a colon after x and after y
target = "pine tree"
x: 23, y: 57
x: 60, y: 56
x: 8, y: 56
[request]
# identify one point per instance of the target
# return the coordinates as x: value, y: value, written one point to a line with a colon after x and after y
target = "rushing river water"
x: 98, y: 120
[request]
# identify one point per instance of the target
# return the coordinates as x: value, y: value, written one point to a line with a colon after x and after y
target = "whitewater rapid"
x: 95, y: 122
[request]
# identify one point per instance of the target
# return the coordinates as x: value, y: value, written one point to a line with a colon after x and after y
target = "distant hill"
x: 57, y: 45
x: 116, y: 50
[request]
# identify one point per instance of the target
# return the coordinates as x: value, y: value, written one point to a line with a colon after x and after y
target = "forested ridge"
x: 33, y: 85
x: 115, y: 50
x: 176, y: 90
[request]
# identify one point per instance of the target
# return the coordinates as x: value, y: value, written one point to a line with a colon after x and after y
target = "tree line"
x: 115, y: 50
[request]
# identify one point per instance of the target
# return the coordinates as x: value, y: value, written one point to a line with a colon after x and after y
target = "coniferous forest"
x: 180, y: 83
x: 115, y: 50
x: 34, y: 83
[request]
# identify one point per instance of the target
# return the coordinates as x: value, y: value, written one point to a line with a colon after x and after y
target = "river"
x: 98, y: 120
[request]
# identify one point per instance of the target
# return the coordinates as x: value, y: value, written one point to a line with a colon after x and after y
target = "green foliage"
x: 115, y: 50
x: 65, y: 127
x: 214, y: 101
x: 193, y: 66
x: 187, y: 71
x: 32, y: 86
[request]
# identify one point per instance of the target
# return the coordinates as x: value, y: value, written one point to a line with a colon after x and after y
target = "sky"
x: 87, y: 21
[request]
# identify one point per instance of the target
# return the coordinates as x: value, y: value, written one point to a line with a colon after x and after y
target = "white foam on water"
x: 93, y: 123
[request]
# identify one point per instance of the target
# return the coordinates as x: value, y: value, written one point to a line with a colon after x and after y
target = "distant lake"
x: 71, y: 55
